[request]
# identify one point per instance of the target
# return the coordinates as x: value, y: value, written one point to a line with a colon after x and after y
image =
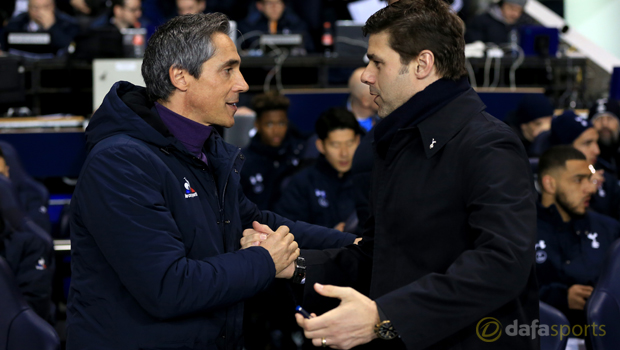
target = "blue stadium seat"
x: 20, y: 327
x: 552, y: 316
x: 603, y: 307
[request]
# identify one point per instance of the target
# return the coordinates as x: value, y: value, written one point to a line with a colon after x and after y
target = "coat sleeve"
x: 122, y: 206
x: 293, y: 204
x: 500, y: 201
x: 306, y: 235
x: 350, y: 266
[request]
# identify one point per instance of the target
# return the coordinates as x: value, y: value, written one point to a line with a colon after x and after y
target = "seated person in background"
x: 361, y: 103
x: 604, y: 117
x: 532, y: 117
x: 273, y: 154
x: 495, y: 25
x: 191, y: 7
x: 572, y: 241
x: 273, y: 17
x: 577, y: 131
x: 124, y: 14
x: 85, y: 11
x: 27, y: 249
x: 32, y: 196
x: 42, y: 17
x: 323, y: 194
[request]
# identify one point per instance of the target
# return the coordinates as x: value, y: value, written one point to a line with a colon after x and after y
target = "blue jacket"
x: 266, y: 167
x: 318, y: 196
x: 155, y: 237
x: 570, y: 253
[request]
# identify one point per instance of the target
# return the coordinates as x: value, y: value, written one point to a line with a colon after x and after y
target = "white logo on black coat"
x: 541, y: 255
x: 595, y: 243
x: 257, y: 183
x: 322, y: 196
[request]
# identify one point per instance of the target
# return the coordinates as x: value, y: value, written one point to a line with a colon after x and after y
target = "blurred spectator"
x: 190, y: 7
x: 570, y: 129
x: 27, y: 249
x: 31, y: 195
x: 124, y: 14
x: 273, y: 17
x: 43, y: 17
x: 273, y: 153
x: 572, y: 241
x: 361, y: 103
x: 85, y: 11
x: 604, y: 116
x: 323, y: 194
x: 532, y: 117
x: 495, y: 25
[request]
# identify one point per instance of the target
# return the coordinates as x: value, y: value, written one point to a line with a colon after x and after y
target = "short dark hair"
x: 556, y: 157
x: 120, y: 3
x: 334, y: 119
x: 269, y: 101
x: 417, y: 25
x: 183, y: 42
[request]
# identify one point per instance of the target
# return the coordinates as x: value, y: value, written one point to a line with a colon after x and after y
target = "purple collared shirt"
x: 192, y: 135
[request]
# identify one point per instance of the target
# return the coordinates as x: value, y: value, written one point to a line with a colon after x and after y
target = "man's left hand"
x: 349, y: 325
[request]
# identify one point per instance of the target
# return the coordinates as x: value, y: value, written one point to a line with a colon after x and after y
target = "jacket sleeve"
x: 306, y: 235
x: 293, y: 204
x: 350, y: 266
x: 31, y: 256
x: 555, y: 294
x: 122, y: 206
x: 499, y: 198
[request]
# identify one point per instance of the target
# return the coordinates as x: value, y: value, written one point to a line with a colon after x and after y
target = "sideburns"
x: 404, y: 69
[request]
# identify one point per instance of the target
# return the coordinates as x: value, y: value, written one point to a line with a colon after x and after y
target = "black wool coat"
x: 451, y: 235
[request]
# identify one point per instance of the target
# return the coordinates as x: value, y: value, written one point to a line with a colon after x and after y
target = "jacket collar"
x: 440, y: 128
x: 551, y: 215
x: 323, y: 166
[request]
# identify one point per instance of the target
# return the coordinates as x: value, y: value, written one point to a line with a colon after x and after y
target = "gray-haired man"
x: 160, y: 257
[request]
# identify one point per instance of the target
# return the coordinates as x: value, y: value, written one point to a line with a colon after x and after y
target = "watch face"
x: 386, y: 331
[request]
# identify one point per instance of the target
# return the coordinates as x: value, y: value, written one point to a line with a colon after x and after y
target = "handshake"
x: 280, y: 244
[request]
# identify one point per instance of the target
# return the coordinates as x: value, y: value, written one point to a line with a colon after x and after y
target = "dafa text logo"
x: 489, y: 329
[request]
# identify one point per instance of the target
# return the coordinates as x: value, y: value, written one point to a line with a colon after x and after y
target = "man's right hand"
x: 577, y: 296
x: 282, y: 247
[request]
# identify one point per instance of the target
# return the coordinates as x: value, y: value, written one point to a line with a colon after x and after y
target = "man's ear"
x: 178, y: 78
x: 320, y: 146
x: 424, y: 64
x: 549, y: 184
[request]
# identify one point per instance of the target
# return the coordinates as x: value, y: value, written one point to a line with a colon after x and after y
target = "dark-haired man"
x: 451, y: 238
x: 123, y: 14
x: 572, y: 241
x: 323, y: 194
x: 274, y: 153
x: 165, y: 246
